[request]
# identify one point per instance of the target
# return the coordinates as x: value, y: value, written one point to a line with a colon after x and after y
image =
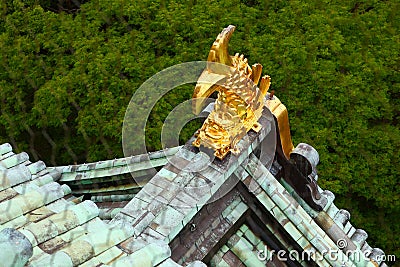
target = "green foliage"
x: 66, y: 79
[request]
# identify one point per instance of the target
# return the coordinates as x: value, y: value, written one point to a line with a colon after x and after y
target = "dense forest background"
x: 68, y: 70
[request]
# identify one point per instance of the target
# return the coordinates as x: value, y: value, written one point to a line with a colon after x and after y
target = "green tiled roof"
x: 127, y: 224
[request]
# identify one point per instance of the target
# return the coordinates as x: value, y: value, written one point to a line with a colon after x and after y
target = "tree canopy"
x: 69, y: 69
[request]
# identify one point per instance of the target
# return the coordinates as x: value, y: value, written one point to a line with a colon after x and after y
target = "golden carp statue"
x: 240, y: 101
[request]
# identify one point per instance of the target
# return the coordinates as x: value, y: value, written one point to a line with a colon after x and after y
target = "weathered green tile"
x: 5, y: 148
x: 223, y: 263
x: 135, y: 207
x: 224, y: 249
x: 14, y: 160
x: 244, y: 251
x: 307, y: 230
x: 231, y: 207
x: 332, y: 210
x: 321, y: 233
x: 304, y: 215
x: 57, y: 259
x: 167, y: 174
x: 188, y: 217
x: 292, y: 214
x: 254, y: 240
x: 168, y: 219
x: 234, y: 216
x: 292, y: 231
x: 196, y: 263
x: 279, y: 215
x: 266, y: 201
x: 236, y: 213
x: 244, y: 228
x: 150, y: 255
x: 280, y: 200
x: 320, y: 244
x: 169, y: 263
x: 102, y: 240
x: 303, y: 242
x: 185, y: 154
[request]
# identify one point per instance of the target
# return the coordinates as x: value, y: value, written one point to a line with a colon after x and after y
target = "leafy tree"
x: 68, y: 72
